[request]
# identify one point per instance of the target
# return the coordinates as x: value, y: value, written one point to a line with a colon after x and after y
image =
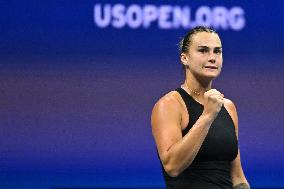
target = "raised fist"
x: 214, y: 100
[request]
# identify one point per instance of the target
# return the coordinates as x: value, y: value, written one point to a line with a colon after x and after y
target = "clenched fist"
x: 214, y: 100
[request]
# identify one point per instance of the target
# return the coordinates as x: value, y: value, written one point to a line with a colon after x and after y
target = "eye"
x: 203, y: 51
x: 217, y: 51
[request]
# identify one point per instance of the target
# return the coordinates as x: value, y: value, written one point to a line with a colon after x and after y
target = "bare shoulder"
x: 231, y: 108
x: 167, y: 111
x: 170, y: 101
x: 165, y: 121
x: 229, y: 104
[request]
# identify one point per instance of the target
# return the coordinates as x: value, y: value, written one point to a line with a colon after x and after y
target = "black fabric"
x: 211, y: 166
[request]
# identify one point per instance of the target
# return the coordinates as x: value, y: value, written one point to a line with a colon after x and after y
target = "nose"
x: 212, y: 60
x: 212, y: 57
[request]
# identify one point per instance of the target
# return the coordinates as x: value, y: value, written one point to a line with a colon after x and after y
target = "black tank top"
x: 211, y: 166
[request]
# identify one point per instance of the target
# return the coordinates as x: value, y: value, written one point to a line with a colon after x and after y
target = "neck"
x: 195, y: 86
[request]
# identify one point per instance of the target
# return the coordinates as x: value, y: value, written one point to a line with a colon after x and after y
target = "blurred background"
x: 78, y: 80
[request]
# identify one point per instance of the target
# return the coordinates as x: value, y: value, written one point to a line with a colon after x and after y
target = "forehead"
x: 206, y: 39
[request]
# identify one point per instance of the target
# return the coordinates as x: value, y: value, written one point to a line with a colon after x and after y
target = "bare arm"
x: 238, y: 178
x: 177, y: 152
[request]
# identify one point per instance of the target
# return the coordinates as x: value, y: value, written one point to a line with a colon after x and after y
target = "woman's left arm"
x: 237, y: 175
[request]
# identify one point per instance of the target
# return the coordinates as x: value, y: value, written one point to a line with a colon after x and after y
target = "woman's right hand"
x: 214, y: 101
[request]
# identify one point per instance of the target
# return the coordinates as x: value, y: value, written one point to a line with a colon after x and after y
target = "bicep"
x: 166, y: 127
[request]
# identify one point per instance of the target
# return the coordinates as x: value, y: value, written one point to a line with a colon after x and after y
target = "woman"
x: 195, y: 127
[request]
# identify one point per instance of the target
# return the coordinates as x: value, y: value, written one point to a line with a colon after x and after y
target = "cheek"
x: 198, y: 58
x: 220, y: 59
x: 221, y: 62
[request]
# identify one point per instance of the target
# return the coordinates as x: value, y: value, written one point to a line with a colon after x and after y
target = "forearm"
x: 181, y: 154
x: 237, y: 175
x: 240, y: 182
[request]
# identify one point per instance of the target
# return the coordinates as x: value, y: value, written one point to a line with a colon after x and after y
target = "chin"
x: 210, y: 77
x: 207, y: 76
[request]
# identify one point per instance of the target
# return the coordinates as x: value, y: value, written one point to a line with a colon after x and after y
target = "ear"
x: 184, y: 59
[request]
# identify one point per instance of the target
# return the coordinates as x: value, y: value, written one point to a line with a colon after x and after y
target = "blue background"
x: 76, y: 100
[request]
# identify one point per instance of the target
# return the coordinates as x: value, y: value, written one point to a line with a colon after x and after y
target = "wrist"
x: 208, y: 118
x: 241, y: 186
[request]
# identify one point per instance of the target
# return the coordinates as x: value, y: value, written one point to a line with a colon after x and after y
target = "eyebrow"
x: 208, y: 47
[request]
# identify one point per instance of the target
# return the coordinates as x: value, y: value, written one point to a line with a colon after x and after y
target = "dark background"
x: 76, y: 99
